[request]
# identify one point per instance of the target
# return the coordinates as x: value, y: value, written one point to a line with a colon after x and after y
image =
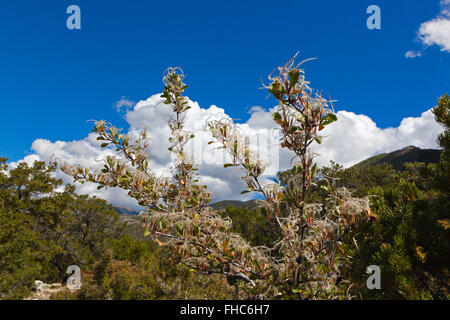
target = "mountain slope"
x: 251, y: 204
x: 127, y: 211
x: 399, y: 157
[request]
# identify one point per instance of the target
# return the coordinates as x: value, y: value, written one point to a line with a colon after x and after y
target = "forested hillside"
x: 42, y: 232
x: 392, y: 163
x: 399, y: 157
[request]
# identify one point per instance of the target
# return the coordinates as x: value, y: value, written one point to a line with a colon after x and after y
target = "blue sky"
x: 53, y: 80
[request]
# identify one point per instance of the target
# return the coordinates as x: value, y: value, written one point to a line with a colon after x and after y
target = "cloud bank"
x: 353, y: 138
x: 435, y: 31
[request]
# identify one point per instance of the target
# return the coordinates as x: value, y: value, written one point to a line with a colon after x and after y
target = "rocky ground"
x: 43, y: 291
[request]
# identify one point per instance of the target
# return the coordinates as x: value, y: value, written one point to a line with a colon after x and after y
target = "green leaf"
x: 226, y: 165
x: 179, y: 227
x: 329, y: 118
x: 276, y: 116
x: 104, y: 145
x: 276, y: 88
x: 146, y: 233
x: 195, y: 230
x: 293, y: 129
x: 314, y: 170
x: 294, y: 75
x: 318, y: 139
x: 245, y: 191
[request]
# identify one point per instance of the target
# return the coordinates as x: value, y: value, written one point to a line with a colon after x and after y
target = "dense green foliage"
x: 43, y: 231
x: 253, y: 225
x: 409, y: 238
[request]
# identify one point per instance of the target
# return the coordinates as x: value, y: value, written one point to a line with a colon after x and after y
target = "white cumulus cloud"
x: 123, y: 103
x: 351, y: 139
x: 435, y: 31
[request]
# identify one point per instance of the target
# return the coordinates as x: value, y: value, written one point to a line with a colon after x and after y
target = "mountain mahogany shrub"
x: 309, y: 232
x: 302, y: 262
x: 177, y: 215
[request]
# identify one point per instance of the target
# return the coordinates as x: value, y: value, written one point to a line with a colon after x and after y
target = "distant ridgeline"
x: 399, y: 157
x: 395, y: 158
x: 251, y: 204
x: 126, y: 211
